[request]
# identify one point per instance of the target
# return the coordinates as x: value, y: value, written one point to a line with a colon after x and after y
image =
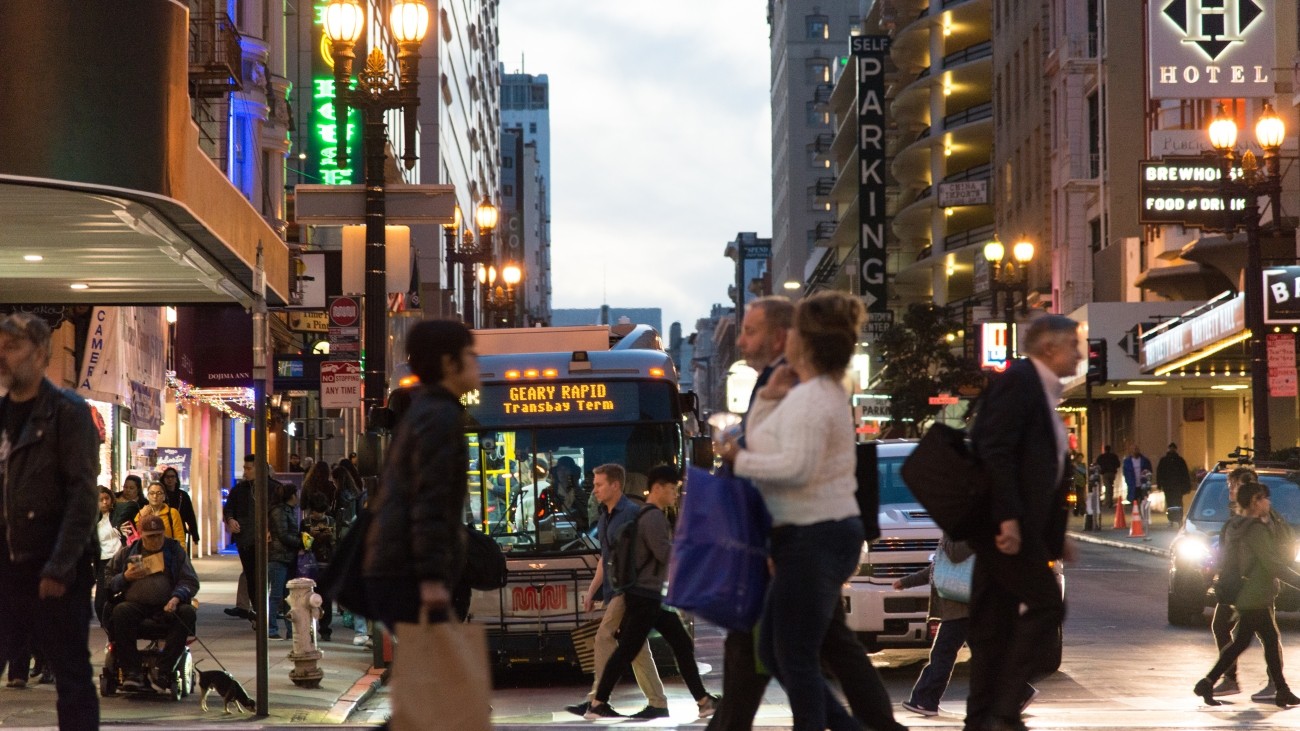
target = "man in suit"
x: 1019, y: 436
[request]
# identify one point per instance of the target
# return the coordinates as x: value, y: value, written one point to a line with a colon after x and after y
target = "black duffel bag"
x: 950, y: 483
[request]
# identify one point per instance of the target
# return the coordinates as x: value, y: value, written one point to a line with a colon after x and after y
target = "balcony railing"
x: 823, y: 142
x: 825, y: 186
x: 966, y: 238
x: 968, y: 115
x: 822, y: 94
x: 216, y: 60
x: 825, y: 230
x: 977, y: 172
x: 969, y: 53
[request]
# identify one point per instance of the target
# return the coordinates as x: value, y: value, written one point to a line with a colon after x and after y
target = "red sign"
x: 344, y: 312
x: 340, y: 384
x: 943, y: 399
x: 1282, y: 381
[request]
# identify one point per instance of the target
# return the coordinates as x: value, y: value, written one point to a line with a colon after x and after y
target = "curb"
x: 359, y: 693
x: 1088, y: 538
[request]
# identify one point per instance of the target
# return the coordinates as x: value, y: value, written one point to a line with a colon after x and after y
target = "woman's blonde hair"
x: 829, y: 324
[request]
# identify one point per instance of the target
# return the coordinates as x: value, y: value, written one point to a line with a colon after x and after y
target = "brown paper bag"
x: 440, y: 678
x: 584, y: 644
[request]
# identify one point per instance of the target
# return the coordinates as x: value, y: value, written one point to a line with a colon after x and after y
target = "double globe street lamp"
x: 1007, y: 276
x: 377, y: 91
x: 1251, y: 182
x: 499, y: 300
x: 470, y: 254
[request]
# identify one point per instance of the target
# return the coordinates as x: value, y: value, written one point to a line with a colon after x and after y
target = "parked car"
x: 1194, y: 554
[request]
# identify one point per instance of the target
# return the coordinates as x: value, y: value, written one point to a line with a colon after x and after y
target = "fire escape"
x: 216, y: 70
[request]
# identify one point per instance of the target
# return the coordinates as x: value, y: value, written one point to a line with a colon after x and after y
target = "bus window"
x: 531, y: 489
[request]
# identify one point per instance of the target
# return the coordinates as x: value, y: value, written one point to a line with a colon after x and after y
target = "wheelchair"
x: 180, y: 684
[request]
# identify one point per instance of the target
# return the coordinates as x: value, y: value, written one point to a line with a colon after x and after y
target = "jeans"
x: 278, y: 574
x: 1261, y: 623
x: 812, y: 562
x: 60, y: 628
x: 929, y: 688
x: 640, y: 615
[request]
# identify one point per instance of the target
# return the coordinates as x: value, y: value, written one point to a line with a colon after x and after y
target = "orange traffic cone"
x: 1136, y: 530
x: 1119, y: 515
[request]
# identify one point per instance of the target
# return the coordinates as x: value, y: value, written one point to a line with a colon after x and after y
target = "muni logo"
x: 1214, y: 25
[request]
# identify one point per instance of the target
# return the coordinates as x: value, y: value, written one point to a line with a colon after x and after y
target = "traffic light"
x: 1097, y: 361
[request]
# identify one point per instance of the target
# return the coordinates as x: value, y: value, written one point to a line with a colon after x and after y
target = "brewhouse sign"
x: 1187, y: 191
x: 1210, y: 49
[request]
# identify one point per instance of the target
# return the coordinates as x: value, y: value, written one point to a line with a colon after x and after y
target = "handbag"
x: 719, y: 565
x: 308, y: 566
x: 952, y: 581
x: 584, y: 644
x: 341, y: 581
x: 949, y: 482
x: 440, y: 677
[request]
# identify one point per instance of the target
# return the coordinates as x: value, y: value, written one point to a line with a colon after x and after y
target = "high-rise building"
x: 809, y: 38
x: 526, y: 105
x: 526, y: 112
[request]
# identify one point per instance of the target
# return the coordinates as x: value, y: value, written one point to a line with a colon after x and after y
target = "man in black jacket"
x: 49, y: 463
x: 1173, y: 477
x: 1019, y: 437
x: 238, y: 514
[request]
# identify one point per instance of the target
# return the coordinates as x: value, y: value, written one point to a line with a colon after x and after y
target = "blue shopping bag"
x: 719, y: 566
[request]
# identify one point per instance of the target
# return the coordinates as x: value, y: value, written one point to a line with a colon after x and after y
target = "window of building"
x: 1094, y: 235
x: 819, y: 26
x: 532, y: 128
x: 507, y: 190
x: 818, y: 70
x: 815, y: 117
x: 537, y: 95
x: 507, y: 163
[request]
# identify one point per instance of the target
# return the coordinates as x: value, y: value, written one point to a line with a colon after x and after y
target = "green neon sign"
x: 322, y: 160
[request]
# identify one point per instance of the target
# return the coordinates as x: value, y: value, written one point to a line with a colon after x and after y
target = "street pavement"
x: 229, y: 642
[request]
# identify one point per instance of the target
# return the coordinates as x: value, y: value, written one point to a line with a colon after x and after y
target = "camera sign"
x: 1211, y: 49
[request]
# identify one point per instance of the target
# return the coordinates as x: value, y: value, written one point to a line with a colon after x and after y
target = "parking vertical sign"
x: 869, y: 57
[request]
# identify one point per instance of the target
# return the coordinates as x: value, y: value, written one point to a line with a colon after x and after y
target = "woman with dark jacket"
x: 180, y: 501
x: 1257, y: 553
x: 415, y: 545
x: 282, y: 558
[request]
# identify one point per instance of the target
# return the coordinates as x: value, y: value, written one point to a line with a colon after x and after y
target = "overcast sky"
x: 660, y: 144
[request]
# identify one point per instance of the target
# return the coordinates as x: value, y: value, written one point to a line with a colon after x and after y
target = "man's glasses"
x: 155, y: 493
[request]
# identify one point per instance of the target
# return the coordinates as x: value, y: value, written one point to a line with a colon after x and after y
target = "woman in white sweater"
x: 802, y: 458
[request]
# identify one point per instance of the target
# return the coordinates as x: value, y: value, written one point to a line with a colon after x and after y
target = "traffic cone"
x: 1136, y: 530
x: 1119, y: 515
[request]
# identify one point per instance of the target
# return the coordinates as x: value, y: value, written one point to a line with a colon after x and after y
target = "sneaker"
x: 919, y: 709
x: 604, y: 710
x: 46, y: 678
x: 579, y: 709
x: 1267, y: 694
x: 1029, y: 698
x: 650, y: 712
x: 1227, y: 686
x: 360, y: 640
x: 708, y: 704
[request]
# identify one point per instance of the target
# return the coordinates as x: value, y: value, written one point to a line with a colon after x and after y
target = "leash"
x: 194, y: 631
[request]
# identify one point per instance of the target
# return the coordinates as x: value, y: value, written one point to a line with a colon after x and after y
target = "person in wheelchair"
x: 152, y: 579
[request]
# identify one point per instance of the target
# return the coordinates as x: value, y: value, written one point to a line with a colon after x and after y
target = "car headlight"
x: 1191, y: 550
x: 1297, y: 554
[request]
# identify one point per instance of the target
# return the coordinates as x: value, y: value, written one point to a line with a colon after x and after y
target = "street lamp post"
x: 1252, y: 183
x: 377, y: 92
x: 1009, y: 276
x: 499, y: 300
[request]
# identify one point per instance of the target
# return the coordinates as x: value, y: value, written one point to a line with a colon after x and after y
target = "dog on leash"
x: 223, y: 684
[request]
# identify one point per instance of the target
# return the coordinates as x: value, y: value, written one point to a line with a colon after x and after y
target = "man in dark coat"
x: 1016, y: 604
x: 49, y: 462
x: 1173, y: 477
x: 1108, y: 465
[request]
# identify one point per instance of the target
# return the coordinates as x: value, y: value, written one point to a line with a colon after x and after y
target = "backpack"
x: 624, y: 569
x: 485, y: 565
x: 1232, y: 573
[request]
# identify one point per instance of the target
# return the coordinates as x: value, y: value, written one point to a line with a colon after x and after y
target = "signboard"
x: 964, y: 193
x: 178, y: 457
x: 877, y: 323
x: 993, y: 346
x: 943, y: 399
x: 344, y: 328
x: 1281, y: 365
x: 1187, y: 191
x: 1195, y: 333
x: 1282, y: 295
x: 340, y: 384
x: 869, y: 56
x: 125, y: 361
x: 587, y: 402
x: 1211, y: 49
x: 872, y: 406
x: 322, y: 146
x: 309, y: 321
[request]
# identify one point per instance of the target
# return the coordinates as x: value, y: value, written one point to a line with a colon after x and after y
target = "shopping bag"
x: 719, y: 565
x: 949, y: 482
x: 341, y: 580
x: 308, y: 566
x: 951, y: 580
x: 584, y: 644
x: 440, y: 677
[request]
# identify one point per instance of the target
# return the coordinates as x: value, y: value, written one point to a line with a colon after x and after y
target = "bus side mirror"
x: 690, y: 404
x: 702, y: 452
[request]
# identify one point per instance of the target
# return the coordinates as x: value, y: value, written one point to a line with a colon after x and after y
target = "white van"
x: 881, y: 616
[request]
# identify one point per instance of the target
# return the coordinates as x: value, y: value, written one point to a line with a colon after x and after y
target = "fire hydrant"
x: 304, y: 610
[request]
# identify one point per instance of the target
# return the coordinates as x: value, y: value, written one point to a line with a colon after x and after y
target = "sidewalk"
x: 230, y: 641
x: 1159, y: 535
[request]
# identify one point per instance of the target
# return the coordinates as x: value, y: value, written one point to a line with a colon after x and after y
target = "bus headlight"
x: 1192, y: 550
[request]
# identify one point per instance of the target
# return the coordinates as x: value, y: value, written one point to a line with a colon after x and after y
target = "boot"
x: 1205, y: 689
x: 1285, y: 697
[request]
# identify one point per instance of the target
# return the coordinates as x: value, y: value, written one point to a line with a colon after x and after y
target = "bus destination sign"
x: 558, y: 399
x: 558, y: 403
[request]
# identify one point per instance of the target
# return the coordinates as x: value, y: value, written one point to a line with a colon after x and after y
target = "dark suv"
x: 1195, y: 551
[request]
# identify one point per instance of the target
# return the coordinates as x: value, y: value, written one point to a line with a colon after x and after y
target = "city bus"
x: 537, y: 427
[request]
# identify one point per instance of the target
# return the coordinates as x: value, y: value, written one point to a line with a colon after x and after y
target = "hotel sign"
x: 1211, y: 49
x: 869, y: 54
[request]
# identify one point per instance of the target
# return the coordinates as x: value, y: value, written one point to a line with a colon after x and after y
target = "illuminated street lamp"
x: 500, y: 299
x: 376, y: 92
x: 1009, y: 276
x: 1252, y: 183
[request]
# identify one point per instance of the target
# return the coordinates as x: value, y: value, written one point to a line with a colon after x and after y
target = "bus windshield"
x: 530, y: 488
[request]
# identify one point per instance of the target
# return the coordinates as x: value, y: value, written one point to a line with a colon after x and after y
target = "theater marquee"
x: 1211, y: 49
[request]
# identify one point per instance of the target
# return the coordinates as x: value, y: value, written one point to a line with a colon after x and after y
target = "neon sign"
x: 322, y: 160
